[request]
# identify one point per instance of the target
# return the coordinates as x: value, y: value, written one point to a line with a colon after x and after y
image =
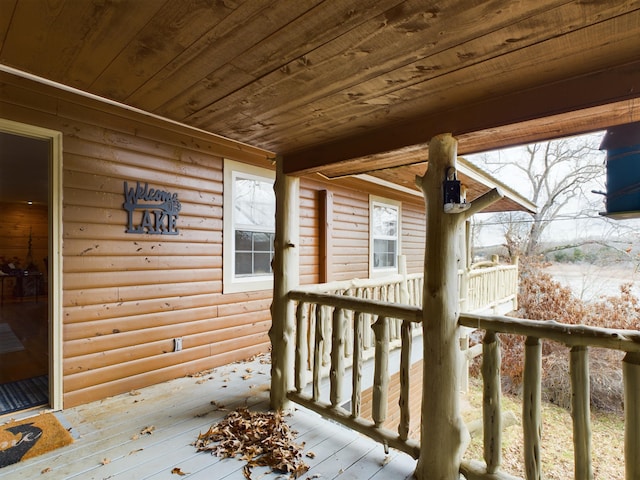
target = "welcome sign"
x: 151, y: 211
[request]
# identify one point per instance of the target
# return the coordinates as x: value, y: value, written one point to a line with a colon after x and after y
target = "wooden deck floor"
x: 109, y: 443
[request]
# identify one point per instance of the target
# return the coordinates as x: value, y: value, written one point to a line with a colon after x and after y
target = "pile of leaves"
x: 259, y: 438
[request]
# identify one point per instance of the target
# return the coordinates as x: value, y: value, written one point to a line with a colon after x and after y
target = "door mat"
x: 30, y: 437
x: 8, y: 341
x: 23, y: 394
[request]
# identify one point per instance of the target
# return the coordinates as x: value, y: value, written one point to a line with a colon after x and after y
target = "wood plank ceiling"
x: 345, y: 86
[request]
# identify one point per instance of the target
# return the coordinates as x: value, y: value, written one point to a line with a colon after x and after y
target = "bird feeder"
x: 622, y: 144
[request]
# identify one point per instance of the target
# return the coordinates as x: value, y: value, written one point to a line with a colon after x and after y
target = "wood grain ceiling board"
x: 494, y: 113
x: 456, y: 72
x: 360, y: 69
x: 341, y: 86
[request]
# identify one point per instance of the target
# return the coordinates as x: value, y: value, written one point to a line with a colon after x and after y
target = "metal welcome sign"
x: 158, y: 210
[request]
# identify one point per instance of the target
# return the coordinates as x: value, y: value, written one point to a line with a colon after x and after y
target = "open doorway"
x: 28, y: 319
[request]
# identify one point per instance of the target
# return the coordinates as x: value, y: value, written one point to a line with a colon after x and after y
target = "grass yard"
x: 557, y: 444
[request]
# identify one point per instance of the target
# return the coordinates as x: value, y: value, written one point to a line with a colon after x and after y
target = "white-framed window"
x: 249, y: 209
x: 384, y: 235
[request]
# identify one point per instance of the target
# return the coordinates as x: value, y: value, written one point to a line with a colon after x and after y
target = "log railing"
x: 395, y: 289
x: 327, y: 395
x: 333, y: 309
x: 579, y: 338
x: 343, y: 324
x: 489, y: 287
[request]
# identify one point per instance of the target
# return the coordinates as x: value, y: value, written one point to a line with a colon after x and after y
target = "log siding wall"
x: 127, y: 296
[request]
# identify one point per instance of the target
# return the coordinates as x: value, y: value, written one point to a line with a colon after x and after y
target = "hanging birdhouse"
x: 622, y: 144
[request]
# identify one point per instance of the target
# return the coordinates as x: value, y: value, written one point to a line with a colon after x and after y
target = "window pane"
x: 244, y: 264
x: 391, y: 260
x: 254, y: 203
x: 384, y: 233
x: 243, y: 240
x: 262, y: 263
x: 385, y: 221
x: 384, y: 253
x: 261, y: 242
x: 254, y: 251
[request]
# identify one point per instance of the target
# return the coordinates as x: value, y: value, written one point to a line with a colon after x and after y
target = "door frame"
x: 55, y: 250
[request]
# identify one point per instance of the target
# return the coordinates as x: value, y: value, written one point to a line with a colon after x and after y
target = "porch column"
x: 444, y: 436
x: 285, y: 278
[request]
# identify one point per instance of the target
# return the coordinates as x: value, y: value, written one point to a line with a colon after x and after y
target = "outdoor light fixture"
x: 454, y: 200
x: 451, y: 187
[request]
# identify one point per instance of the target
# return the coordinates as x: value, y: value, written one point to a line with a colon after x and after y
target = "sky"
x: 579, y: 220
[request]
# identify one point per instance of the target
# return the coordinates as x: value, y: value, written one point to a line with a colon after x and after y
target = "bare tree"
x: 556, y: 174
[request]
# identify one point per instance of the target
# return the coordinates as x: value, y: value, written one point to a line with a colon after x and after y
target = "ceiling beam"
x: 595, y: 89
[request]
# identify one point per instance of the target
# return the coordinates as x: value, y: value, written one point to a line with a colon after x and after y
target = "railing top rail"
x: 353, y: 283
x: 358, y: 283
x: 571, y: 335
x: 374, y: 307
x: 497, y: 268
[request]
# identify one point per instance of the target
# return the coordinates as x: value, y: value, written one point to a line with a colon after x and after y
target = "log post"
x: 531, y: 408
x: 405, y: 297
x: 336, y: 372
x: 631, y: 377
x: 405, y: 390
x: 444, y: 436
x: 286, y: 275
x: 380, y: 371
x: 581, y: 412
x: 356, y: 391
x: 491, y: 401
x: 318, y: 347
x: 302, y: 348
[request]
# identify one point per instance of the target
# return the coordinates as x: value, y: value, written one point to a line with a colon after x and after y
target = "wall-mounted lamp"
x: 454, y: 201
x: 451, y: 187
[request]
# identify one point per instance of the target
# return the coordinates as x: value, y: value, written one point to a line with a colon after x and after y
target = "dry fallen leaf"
x: 177, y: 471
x: 105, y: 461
x: 204, y: 373
x: 259, y: 438
x: 247, y: 376
x: 311, y: 455
x: 134, y: 393
x: 136, y: 451
x: 45, y: 470
x: 147, y: 430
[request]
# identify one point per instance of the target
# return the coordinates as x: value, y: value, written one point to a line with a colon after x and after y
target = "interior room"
x: 24, y: 240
